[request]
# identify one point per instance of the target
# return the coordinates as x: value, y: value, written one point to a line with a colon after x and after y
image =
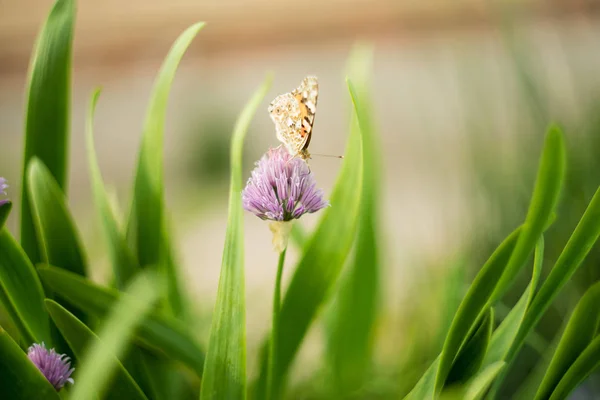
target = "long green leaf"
x: 352, y: 326
x: 486, y: 291
x: 59, y: 242
x: 147, y: 216
x: 298, y: 236
x: 425, y: 387
x: 577, y: 248
x: 579, y: 333
x: 48, y: 98
x: 586, y: 363
x: 80, y: 338
x: 157, y: 333
x: 475, y: 300
x: 477, y: 388
x: 322, y: 260
x: 4, y: 212
x: 19, y: 377
x: 123, y: 261
x: 543, y: 202
x: 23, y: 292
x: 504, y: 336
x: 100, y: 362
x: 225, y: 368
x: 470, y: 357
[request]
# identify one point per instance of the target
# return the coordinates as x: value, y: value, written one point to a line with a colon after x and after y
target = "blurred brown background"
x: 440, y: 67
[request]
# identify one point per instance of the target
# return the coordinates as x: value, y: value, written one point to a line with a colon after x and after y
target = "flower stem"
x: 275, y: 330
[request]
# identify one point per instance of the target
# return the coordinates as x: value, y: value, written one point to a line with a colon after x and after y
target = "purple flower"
x: 282, y: 188
x: 55, y: 367
x: 3, y: 187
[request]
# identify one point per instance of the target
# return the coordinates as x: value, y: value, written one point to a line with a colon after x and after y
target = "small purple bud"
x: 3, y: 187
x: 55, y: 367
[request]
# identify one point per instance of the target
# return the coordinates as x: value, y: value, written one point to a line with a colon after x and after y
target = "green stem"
x: 275, y: 330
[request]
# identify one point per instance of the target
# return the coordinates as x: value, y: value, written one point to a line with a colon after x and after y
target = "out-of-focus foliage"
x: 133, y: 339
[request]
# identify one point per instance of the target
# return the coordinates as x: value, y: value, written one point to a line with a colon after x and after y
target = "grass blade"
x: 48, y: 109
x: 587, y: 362
x: 471, y: 355
x: 225, y: 368
x: 59, y: 242
x: 543, y: 202
x: 504, y: 336
x: 298, y: 236
x: 4, y: 212
x: 19, y: 378
x: 475, y: 301
x: 579, y: 333
x: 478, y: 387
x: 485, y: 290
x: 99, y: 363
x: 80, y: 338
x: 148, y: 203
x: 577, y: 248
x: 352, y: 321
x: 23, y: 292
x: 122, y: 259
x: 156, y: 333
x: 425, y: 387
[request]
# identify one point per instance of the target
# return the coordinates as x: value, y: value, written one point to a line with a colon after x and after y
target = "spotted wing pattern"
x: 294, y: 115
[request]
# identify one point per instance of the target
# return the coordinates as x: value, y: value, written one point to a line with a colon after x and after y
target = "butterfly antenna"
x: 326, y: 155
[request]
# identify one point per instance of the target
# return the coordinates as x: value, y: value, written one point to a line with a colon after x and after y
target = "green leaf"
x: 322, y: 260
x: 4, y: 212
x: 577, y: 248
x: 140, y: 363
x: 353, y: 317
x: 298, y: 236
x: 80, y: 338
x: 123, y: 261
x: 504, y: 336
x: 23, y: 292
x: 19, y: 378
x: 579, y: 333
x: 471, y: 355
x: 59, y: 242
x: 543, y: 202
x: 147, y: 216
x: 585, y: 364
x: 176, y: 297
x: 486, y: 290
x: 475, y: 301
x: 425, y: 387
x: 225, y: 368
x: 157, y: 332
x: 100, y: 362
x: 48, y: 104
x: 477, y: 388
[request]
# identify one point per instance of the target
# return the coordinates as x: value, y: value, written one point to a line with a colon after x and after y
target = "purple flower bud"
x: 282, y: 188
x: 3, y: 187
x: 55, y: 367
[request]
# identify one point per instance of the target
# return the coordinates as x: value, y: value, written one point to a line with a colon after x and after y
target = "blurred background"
x: 463, y: 92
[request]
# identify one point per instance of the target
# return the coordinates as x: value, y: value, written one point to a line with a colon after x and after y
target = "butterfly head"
x: 285, y: 110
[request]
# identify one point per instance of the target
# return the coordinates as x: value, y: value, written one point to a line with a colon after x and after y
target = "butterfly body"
x: 294, y: 115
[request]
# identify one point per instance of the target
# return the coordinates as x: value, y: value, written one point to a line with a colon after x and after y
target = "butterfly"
x: 294, y: 115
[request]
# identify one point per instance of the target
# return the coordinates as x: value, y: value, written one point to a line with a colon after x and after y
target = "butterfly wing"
x: 294, y: 114
x: 307, y: 95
